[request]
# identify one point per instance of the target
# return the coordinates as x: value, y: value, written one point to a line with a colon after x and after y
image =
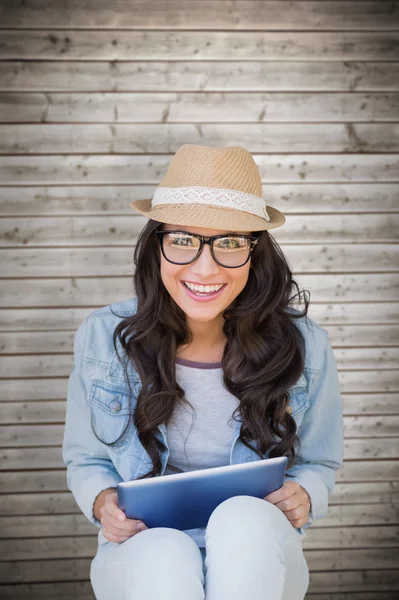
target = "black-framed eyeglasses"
x: 182, y: 248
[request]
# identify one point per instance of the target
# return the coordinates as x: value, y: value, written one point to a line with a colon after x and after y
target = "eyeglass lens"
x: 182, y: 248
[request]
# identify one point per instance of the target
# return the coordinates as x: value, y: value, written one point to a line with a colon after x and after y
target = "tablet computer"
x: 187, y: 500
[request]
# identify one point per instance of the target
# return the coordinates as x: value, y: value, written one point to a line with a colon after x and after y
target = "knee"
x: 167, y: 537
x: 244, y: 513
x: 239, y: 507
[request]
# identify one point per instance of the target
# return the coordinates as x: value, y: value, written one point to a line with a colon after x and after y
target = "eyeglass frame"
x: 207, y: 240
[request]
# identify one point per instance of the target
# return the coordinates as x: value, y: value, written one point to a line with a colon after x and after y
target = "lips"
x: 219, y: 285
x: 203, y: 297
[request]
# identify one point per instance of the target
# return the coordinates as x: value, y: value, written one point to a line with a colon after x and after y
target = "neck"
x: 208, y: 340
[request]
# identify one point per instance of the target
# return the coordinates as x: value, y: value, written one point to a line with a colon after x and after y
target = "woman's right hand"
x: 116, y: 527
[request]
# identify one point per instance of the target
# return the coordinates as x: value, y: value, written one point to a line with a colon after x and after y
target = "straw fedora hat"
x: 217, y: 188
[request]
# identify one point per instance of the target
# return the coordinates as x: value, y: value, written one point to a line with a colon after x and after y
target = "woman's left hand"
x: 294, y: 501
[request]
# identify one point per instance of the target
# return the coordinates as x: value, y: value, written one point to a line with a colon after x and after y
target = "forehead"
x: 200, y: 230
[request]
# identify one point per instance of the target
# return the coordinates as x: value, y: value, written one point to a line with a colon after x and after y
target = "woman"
x: 208, y: 365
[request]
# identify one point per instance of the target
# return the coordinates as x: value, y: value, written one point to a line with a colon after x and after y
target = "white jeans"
x: 252, y: 551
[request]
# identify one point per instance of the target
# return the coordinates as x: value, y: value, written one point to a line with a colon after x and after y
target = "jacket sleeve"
x: 89, y: 468
x: 321, y: 434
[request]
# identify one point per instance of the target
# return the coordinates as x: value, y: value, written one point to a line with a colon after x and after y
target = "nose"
x: 204, y: 264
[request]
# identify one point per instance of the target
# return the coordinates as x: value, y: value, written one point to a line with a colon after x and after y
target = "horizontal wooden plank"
x: 369, y: 381
x: 331, y: 538
x: 187, y: 14
x: 20, y: 483
x: 32, y: 412
x: 369, y: 358
x: 366, y: 580
x: 48, y: 411
x: 23, y: 459
x: 367, y: 403
x: 49, y: 435
x: 109, y: 261
x: 375, y: 481
x: 313, y: 198
x: 351, y: 343
x: 367, y: 481
x: 61, y: 525
x: 34, y: 571
x: 327, y: 315
x: 50, y: 365
x: 164, y: 76
x: 382, y: 428
x: 28, y: 459
x: 47, y: 503
x: 53, y: 388
x: 124, y: 230
x: 144, y: 138
x: 375, y: 426
x: 60, y: 365
x: 320, y: 581
x: 89, y: 291
x: 199, y: 45
x: 193, y: 107
x: 356, y: 449
x: 78, y: 569
x: 275, y: 168
x: 364, y: 360
x: 78, y: 590
x: 79, y: 546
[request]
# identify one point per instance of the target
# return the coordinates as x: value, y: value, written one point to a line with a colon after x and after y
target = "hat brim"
x: 211, y: 217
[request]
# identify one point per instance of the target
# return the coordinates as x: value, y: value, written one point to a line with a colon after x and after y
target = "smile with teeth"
x: 203, y: 289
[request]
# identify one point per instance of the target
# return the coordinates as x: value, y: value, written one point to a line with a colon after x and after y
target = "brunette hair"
x: 263, y: 357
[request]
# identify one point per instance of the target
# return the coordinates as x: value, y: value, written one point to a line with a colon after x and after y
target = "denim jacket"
x: 98, y: 396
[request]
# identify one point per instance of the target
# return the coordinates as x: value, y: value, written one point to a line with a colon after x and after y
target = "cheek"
x: 240, y: 277
x: 169, y: 274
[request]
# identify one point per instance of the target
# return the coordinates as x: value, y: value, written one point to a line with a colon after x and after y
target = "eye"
x: 181, y: 239
x: 232, y: 243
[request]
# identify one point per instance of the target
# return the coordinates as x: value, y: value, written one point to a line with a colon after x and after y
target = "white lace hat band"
x: 223, y: 198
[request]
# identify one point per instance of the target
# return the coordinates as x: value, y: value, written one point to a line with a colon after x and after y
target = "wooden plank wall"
x: 95, y: 97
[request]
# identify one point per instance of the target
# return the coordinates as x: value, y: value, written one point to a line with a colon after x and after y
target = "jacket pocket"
x: 299, y: 400
x: 111, y: 406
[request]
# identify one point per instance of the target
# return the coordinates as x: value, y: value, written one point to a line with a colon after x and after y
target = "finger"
x: 117, y: 528
x: 115, y: 538
x: 117, y: 517
x: 296, y: 514
x: 282, y: 493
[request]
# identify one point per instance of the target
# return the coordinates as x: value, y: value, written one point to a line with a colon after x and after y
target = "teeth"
x: 203, y: 288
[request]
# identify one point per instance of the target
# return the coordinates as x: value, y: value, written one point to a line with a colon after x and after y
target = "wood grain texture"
x: 100, y: 291
x: 123, y: 230
x: 200, y: 45
x: 140, y: 169
x: 210, y: 14
x: 332, y: 314
x: 194, y: 107
x: 169, y: 76
x: 152, y: 138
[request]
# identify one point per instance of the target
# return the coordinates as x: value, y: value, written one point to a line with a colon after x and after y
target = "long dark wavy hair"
x: 263, y: 357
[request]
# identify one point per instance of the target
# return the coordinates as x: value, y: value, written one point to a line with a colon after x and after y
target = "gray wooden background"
x: 95, y: 98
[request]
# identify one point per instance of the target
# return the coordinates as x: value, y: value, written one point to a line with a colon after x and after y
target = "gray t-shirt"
x: 200, y: 439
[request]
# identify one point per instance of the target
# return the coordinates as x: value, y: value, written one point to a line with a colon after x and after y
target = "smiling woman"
x: 211, y: 334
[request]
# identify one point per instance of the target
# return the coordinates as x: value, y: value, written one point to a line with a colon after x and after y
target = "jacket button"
x: 289, y: 409
x: 115, y: 405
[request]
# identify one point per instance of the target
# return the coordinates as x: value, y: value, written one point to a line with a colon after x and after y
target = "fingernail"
x: 140, y: 526
x: 121, y: 517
